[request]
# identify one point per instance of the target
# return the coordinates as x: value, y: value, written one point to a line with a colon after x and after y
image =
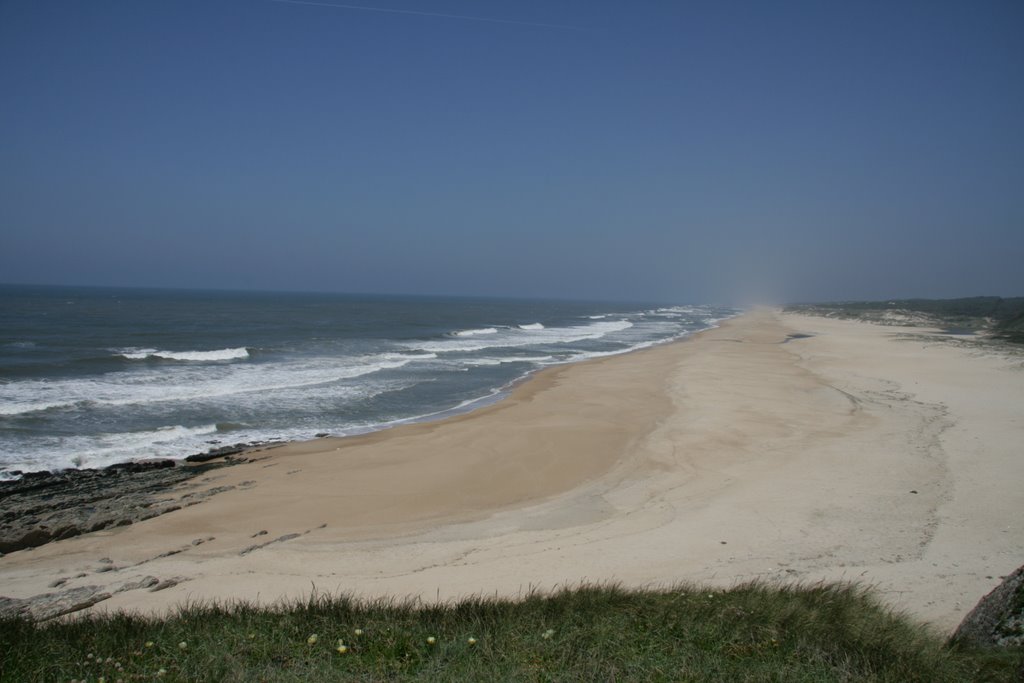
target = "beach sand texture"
x: 864, y: 453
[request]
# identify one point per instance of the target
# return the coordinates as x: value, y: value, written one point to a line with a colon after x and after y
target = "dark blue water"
x: 89, y: 377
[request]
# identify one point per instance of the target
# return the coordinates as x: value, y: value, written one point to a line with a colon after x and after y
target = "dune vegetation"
x: 753, y: 632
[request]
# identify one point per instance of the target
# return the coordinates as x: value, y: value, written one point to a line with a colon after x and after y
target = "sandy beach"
x: 889, y: 456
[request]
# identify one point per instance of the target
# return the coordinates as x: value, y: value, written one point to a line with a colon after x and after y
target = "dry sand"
x: 867, y: 453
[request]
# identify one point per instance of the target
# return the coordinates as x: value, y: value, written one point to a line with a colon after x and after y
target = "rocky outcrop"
x: 998, y: 618
x: 50, y: 605
x: 58, y: 603
x: 221, y: 452
x: 48, y: 506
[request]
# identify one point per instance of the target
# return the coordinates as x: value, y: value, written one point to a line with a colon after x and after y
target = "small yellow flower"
x: 431, y: 640
x: 342, y: 649
x: 358, y: 631
x: 149, y: 643
x: 312, y: 639
x: 471, y: 641
x: 183, y: 645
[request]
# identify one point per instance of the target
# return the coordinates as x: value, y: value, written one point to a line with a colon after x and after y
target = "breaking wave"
x: 475, y: 333
x: 240, y: 353
x: 514, y: 337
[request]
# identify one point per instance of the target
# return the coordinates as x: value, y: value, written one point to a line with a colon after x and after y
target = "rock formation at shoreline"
x: 49, y: 506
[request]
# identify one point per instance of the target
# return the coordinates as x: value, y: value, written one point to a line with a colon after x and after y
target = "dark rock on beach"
x: 215, y: 453
x: 48, y: 506
x: 224, y: 451
x: 50, y: 605
x: 998, y: 618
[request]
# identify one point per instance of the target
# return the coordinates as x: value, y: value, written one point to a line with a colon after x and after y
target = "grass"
x: 604, y: 633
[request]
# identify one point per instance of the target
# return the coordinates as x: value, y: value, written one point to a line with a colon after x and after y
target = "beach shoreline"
x: 745, y: 452
x: 172, y: 374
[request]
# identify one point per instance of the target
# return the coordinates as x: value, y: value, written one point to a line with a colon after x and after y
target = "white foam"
x: 463, y: 406
x: 588, y: 355
x: 15, y: 407
x: 516, y: 337
x: 507, y: 359
x: 189, y: 383
x: 134, y: 354
x: 177, y: 441
x: 106, y: 449
x: 199, y: 356
x: 475, y: 333
x: 532, y: 326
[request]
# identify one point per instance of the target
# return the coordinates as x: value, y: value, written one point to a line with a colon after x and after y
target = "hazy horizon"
x: 675, y: 152
x: 481, y: 297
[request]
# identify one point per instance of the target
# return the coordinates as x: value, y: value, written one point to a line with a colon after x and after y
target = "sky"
x: 721, y: 151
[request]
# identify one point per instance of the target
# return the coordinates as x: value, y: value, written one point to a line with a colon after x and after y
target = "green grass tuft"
x: 590, y: 633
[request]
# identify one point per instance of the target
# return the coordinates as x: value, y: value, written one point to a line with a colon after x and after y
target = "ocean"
x: 94, y: 376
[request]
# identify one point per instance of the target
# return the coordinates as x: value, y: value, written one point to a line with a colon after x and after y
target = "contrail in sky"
x: 428, y: 14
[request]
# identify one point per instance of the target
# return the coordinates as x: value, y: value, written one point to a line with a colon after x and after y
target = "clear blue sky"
x: 628, y: 149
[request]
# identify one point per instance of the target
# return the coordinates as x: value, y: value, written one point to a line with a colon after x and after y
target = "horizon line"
x: 463, y: 17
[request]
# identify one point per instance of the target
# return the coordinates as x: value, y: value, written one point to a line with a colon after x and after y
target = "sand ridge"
x: 856, y: 453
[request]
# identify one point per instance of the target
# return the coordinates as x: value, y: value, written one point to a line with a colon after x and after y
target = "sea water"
x: 90, y: 377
